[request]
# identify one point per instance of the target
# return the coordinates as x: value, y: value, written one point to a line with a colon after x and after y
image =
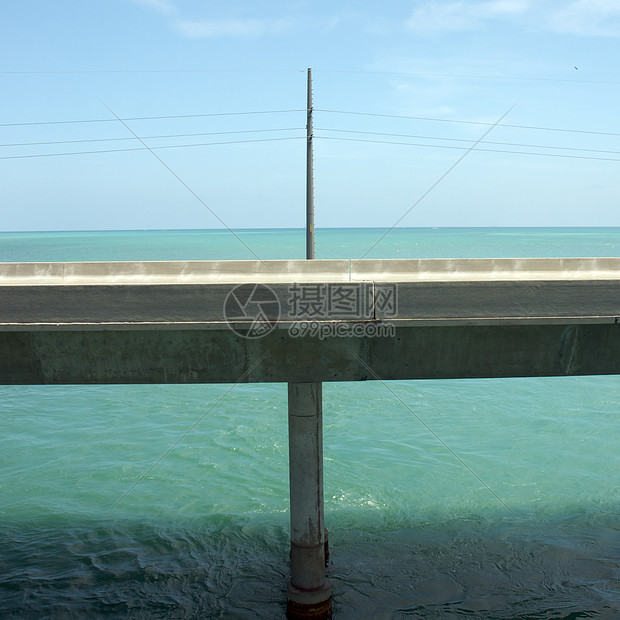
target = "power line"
x: 333, y: 130
x: 283, y: 129
x: 447, y: 120
x: 362, y: 140
x: 464, y: 148
x: 177, y: 135
x: 294, y: 111
x: 152, y: 148
x: 400, y: 135
x: 122, y: 71
x: 147, y: 118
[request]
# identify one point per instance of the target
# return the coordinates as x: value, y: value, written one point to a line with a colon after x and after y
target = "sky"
x: 188, y: 114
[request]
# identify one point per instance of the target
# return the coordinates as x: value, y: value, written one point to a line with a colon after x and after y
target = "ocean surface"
x: 110, y: 508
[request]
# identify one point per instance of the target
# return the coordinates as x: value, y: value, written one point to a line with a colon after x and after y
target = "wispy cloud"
x: 577, y: 17
x: 458, y: 16
x: 162, y: 6
x: 196, y: 28
x: 208, y: 28
x: 588, y: 18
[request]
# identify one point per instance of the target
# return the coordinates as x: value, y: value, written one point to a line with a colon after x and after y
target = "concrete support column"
x: 309, y: 593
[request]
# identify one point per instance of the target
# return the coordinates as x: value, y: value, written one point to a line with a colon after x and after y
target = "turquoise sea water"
x: 290, y: 243
x: 110, y: 508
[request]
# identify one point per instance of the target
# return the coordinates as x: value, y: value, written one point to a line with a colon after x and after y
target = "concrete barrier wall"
x: 234, y: 272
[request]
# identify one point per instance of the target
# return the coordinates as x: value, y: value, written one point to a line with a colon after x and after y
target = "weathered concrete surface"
x: 308, y: 585
x: 164, y: 322
x: 184, y: 306
x: 490, y: 301
x: 201, y: 306
x: 209, y: 356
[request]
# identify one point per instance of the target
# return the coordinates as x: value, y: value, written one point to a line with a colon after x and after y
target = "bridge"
x: 304, y: 323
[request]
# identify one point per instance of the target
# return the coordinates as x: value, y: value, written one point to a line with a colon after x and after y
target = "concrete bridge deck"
x: 305, y: 322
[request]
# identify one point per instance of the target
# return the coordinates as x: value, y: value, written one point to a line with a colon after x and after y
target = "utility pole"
x: 309, y: 177
x: 309, y: 592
